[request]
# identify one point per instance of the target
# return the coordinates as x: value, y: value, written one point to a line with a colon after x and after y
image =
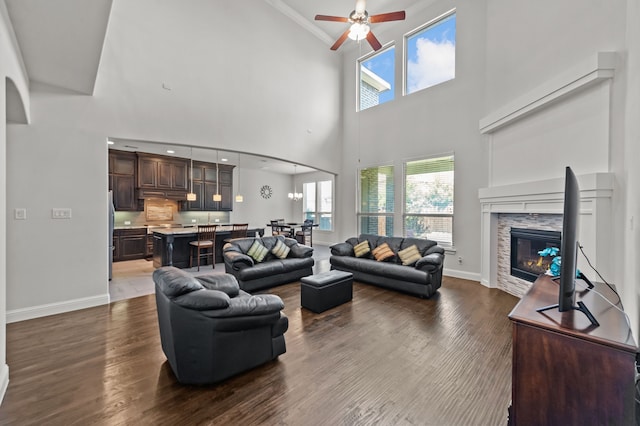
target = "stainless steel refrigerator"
x: 112, y: 219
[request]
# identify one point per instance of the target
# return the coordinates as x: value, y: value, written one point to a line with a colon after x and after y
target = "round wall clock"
x: 266, y: 191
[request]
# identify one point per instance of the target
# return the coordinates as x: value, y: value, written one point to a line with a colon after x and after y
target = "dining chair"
x: 278, y: 227
x: 305, y: 235
x: 206, y: 243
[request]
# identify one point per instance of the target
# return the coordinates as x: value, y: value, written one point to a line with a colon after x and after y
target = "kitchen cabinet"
x: 149, y: 252
x: 130, y: 244
x: 163, y: 173
x: 205, y: 186
x: 122, y: 180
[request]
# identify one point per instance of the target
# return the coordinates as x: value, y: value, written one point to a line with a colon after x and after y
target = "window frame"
x: 405, y: 214
x: 365, y: 58
x: 405, y: 47
x: 387, y: 214
x: 317, y: 213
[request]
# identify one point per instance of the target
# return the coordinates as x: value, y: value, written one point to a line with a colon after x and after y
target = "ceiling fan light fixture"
x: 358, y: 31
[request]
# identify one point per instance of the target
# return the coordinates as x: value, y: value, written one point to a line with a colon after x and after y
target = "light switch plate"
x: 60, y: 213
x: 20, y: 214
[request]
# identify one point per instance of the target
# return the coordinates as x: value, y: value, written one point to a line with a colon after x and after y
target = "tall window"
x: 376, y: 76
x: 428, y: 201
x: 431, y: 54
x: 318, y: 203
x: 376, y: 201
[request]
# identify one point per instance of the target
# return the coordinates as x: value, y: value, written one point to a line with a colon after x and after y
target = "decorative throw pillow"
x: 281, y: 250
x: 382, y: 252
x: 409, y: 255
x: 361, y: 249
x: 257, y: 251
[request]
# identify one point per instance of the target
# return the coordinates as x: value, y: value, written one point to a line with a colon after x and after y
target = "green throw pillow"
x: 281, y: 250
x: 361, y: 249
x: 257, y: 251
x: 409, y: 255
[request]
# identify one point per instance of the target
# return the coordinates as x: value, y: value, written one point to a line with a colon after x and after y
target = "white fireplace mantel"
x: 547, y: 197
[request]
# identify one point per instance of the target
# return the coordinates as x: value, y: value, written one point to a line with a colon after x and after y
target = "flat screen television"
x: 569, y: 251
x: 569, y: 245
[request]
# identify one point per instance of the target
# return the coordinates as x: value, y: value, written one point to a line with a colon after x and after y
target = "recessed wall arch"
x: 17, y: 113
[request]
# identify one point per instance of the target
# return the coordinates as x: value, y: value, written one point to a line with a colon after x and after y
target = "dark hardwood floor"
x: 383, y: 359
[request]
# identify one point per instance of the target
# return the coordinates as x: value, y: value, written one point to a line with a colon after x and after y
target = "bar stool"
x: 206, y: 242
x: 239, y: 230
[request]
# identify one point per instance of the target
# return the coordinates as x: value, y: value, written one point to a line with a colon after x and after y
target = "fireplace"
x: 526, y: 263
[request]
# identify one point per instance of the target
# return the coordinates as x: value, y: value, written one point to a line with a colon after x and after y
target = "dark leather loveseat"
x: 422, y: 277
x: 211, y: 330
x: 271, y: 271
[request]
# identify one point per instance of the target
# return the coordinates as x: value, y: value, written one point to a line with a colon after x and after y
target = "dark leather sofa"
x: 211, y: 330
x: 272, y: 270
x: 423, y: 278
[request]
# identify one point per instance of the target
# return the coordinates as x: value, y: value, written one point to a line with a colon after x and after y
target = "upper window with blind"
x: 430, y: 54
x: 428, y: 199
x: 377, y: 192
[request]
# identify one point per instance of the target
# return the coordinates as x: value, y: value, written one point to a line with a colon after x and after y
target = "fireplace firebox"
x: 526, y: 263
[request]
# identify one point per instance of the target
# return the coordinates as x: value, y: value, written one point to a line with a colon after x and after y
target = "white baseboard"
x: 473, y: 276
x: 4, y: 381
x: 32, y: 312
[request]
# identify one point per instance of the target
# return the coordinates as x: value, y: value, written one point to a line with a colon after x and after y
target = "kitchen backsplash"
x: 184, y: 218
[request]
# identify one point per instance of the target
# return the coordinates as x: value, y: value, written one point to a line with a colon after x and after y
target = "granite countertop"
x: 192, y: 230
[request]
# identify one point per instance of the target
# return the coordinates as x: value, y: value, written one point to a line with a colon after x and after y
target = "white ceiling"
x: 61, y: 43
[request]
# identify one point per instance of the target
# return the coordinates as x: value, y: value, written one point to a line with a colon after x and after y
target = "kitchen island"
x: 171, y: 245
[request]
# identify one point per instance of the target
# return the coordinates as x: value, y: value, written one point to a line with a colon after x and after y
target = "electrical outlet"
x: 193, y: 220
x: 60, y: 213
x: 459, y: 259
x: 127, y: 222
x: 216, y: 220
x: 20, y: 214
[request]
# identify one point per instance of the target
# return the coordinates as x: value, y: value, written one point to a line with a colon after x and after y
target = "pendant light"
x: 239, y: 198
x: 295, y: 195
x: 217, y: 196
x: 191, y: 196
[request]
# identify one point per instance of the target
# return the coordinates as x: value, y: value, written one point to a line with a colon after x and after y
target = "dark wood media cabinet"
x: 565, y: 371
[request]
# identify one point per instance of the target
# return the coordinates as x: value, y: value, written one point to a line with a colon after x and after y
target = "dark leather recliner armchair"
x: 211, y: 330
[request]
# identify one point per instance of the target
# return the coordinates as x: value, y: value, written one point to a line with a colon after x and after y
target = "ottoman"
x: 326, y: 290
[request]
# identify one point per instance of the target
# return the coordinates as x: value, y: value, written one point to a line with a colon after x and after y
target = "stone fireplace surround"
x: 539, y: 204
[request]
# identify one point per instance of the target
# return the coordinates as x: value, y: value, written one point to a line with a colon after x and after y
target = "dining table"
x: 291, y: 227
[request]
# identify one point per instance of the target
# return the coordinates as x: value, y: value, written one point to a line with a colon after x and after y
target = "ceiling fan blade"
x: 373, y: 41
x: 331, y: 18
x: 384, y: 17
x: 341, y: 40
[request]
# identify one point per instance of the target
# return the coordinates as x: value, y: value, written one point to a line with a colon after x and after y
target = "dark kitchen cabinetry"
x: 149, y: 252
x: 164, y: 173
x: 205, y: 186
x: 130, y: 244
x: 122, y: 180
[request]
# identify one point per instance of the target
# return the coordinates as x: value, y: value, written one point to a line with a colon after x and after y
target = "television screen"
x: 569, y: 247
x: 569, y: 251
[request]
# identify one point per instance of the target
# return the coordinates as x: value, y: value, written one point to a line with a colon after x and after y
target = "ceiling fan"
x: 360, y: 21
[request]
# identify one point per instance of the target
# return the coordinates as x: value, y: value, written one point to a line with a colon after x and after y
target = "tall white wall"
x: 631, y: 220
x: 12, y: 73
x: 256, y: 210
x: 176, y: 72
x: 438, y: 120
x: 585, y: 130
